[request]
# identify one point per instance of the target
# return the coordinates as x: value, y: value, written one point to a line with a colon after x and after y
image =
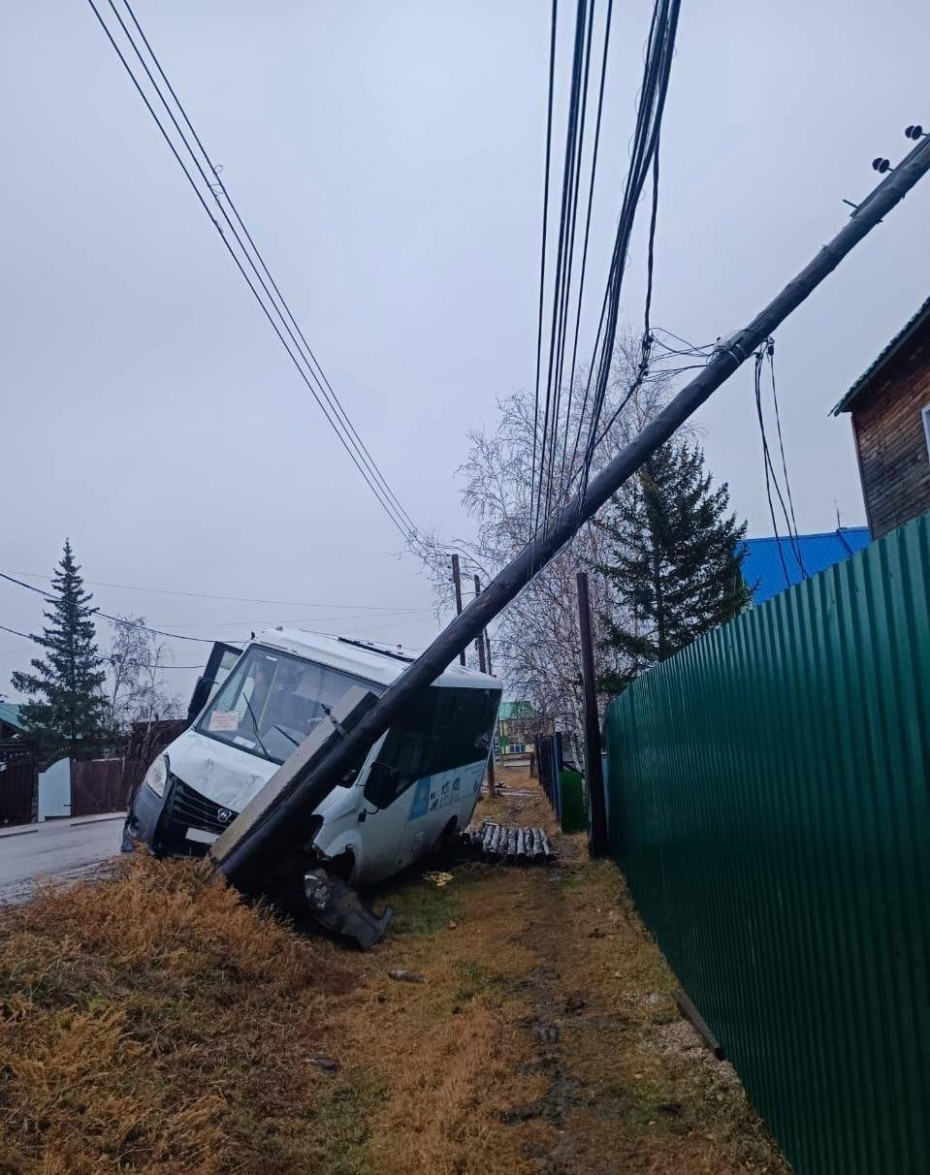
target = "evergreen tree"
x: 675, y: 566
x: 69, y: 713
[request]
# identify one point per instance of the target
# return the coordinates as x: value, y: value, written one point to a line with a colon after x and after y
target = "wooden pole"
x: 593, y: 772
x: 457, y: 581
x: 485, y: 668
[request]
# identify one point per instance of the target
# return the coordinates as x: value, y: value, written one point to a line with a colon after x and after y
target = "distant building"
x: 10, y: 722
x: 890, y: 408
x: 771, y: 565
x: 519, y: 726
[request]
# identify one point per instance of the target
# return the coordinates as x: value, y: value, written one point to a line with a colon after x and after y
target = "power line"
x: 16, y: 632
x: 553, y: 479
x: 542, y: 264
x: 333, y: 398
x: 574, y: 146
x: 657, y: 71
x: 271, y: 622
x: 37, y: 641
x: 770, y: 353
x: 230, y: 599
x: 771, y: 478
x: 304, y: 360
x: 113, y: 619
x: 119, y: 620
x: 587, y: 229
x: 647, y: 340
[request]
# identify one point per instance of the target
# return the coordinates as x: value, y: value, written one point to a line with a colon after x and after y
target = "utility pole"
x: 487, y: 653
x: 480, y: 638
x: 284, y: 827
x: 593, y: 769
x: 457, y: 580
x: 484, y: 666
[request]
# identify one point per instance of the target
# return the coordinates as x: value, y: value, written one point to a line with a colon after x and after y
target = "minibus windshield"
x: 271, y: 701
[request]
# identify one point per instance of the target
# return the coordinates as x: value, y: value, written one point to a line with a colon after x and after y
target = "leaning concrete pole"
x: 337, y: 765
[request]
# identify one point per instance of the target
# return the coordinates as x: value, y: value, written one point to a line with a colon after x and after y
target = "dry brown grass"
x: 154, y: 1022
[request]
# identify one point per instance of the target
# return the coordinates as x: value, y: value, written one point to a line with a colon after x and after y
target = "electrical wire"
x: 542, y: 262
x: 332, y: 397
x: 119, y: 620
x: 36, y: 641
x: 304, y: 360
x: 657, y: 70
x: 16, y: 632
x: 106, y: 616
x: 230, y: 599
x: 770, y: 354
x: 771, y: 478
x: 271, y: 622
x: 587, y: 230
x: 646, y: 343
x: 574, y: 150
x: 568, y: 171
x: 644, y: 160
x: 689, y: 348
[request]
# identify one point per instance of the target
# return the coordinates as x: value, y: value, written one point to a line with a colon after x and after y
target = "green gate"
x: 769, y: 792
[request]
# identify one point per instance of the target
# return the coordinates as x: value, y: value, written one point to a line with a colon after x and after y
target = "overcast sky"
x: 387, y: 156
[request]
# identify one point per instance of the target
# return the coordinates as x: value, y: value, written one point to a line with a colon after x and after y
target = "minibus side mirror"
x: 199, y: 697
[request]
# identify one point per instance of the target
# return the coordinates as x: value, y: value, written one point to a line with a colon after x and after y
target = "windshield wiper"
x: 290, y: 738
x: 255, y: 728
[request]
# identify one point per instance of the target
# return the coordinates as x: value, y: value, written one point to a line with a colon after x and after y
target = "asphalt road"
x: 60, y: 849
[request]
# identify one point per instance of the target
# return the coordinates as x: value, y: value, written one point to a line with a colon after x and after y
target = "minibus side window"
x: 437, y: 731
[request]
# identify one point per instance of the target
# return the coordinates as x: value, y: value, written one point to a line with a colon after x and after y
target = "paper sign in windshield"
x: 224, y: 720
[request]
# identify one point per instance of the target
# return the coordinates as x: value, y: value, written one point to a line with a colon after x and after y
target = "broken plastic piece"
x: 338, y: 908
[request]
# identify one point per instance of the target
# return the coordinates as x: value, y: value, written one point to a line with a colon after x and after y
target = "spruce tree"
x: 675, y: 566
x: 69, y: 712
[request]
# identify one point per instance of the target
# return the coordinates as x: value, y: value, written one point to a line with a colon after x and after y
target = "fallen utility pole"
x: 593, y: 768
x: 319, y: 778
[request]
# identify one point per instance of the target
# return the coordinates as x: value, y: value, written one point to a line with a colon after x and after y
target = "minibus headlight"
x: 157, y: 775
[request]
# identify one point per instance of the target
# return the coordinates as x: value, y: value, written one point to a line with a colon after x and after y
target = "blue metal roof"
x: 9, y: 713
x: 764, y: 571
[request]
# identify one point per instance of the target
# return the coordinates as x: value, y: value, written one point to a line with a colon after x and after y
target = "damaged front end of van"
x: 230, y: 785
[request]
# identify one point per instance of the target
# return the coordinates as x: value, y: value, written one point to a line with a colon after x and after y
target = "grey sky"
x: 387, y: 157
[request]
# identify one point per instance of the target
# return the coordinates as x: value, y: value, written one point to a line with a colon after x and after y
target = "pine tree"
x: 676, y: 562
x: 69, y: 713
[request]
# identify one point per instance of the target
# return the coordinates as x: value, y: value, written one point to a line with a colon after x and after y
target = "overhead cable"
x: 574, y: 147
x: 125, y: 587
x: 49, y: 599
x: 265, y: 292
x: 651, y: 107
x: 542, y: 262
x: 771, y: 478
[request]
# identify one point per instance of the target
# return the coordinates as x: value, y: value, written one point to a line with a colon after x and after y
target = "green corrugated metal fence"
x: 769, y: 795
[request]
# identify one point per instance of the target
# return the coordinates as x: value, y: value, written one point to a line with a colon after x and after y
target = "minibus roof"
x: 381, y: 664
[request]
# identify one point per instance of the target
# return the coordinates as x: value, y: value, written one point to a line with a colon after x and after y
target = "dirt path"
x: 544, y: 1037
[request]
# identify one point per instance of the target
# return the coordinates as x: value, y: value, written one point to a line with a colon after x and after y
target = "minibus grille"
x: 196, y: 811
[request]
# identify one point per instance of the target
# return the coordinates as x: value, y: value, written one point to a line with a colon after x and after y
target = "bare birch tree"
x: 136, y: 664
x: 535, y: 640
